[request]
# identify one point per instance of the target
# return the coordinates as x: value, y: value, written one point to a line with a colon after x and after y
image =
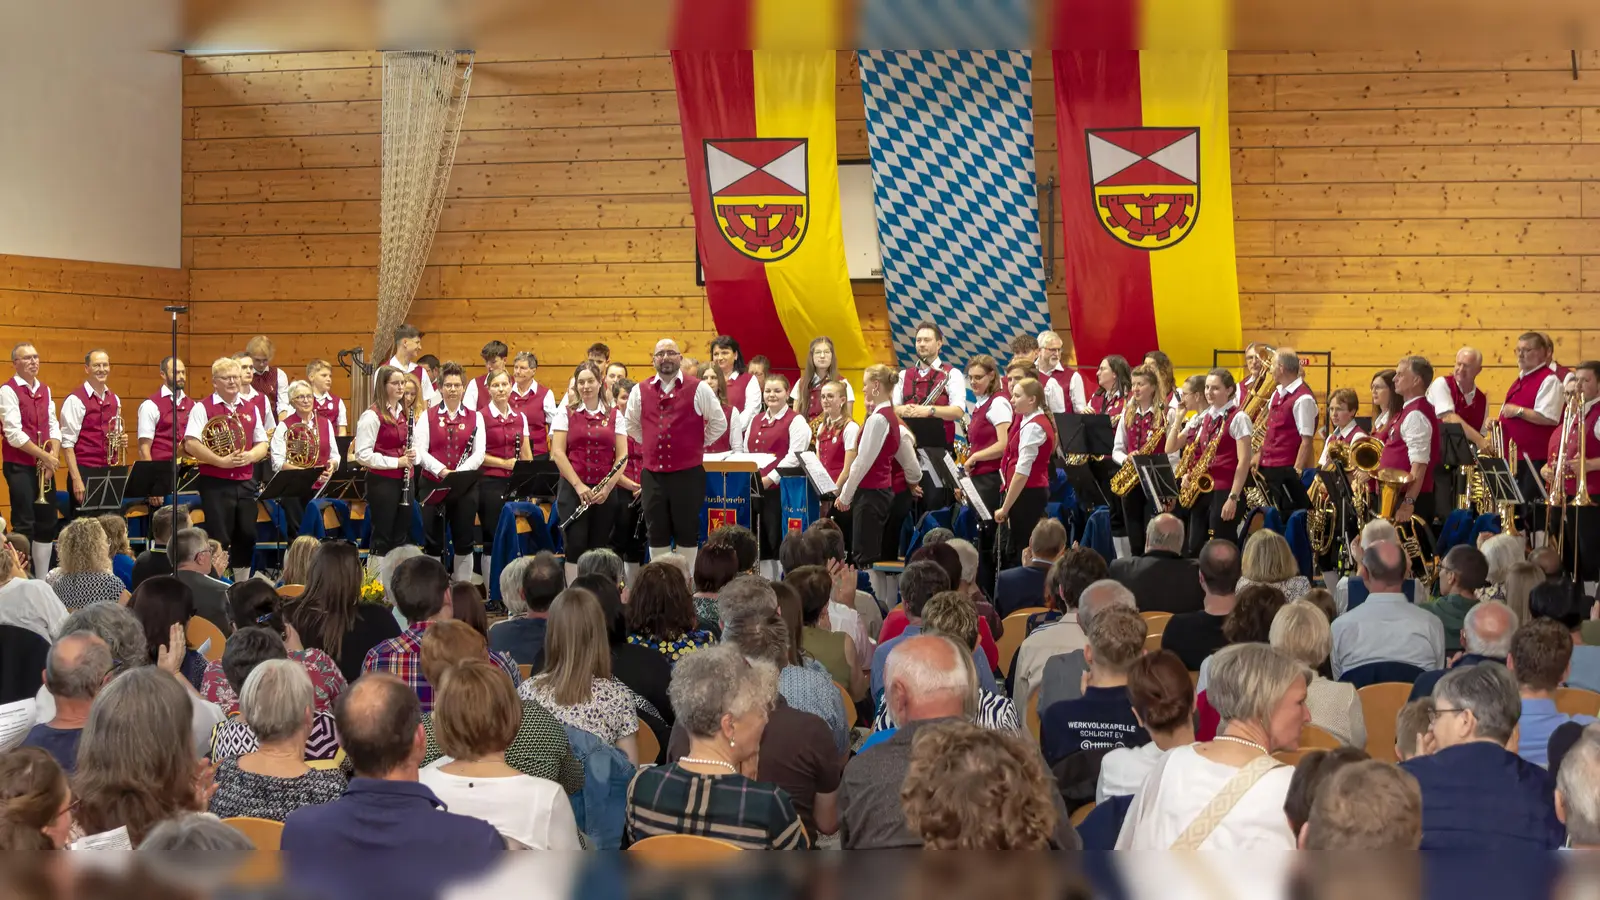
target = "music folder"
x: 1457, y: 450
x: 454, y: 483
x: 148, y: 478
x: 291, y: 483
x: 1156, y: 477
x: 817, y: 474
x: 535, y: 478
x: 975, y: 499
x: 939, y: 467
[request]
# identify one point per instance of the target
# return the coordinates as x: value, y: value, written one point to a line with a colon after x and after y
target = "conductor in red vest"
x: 1529, y: 416
x: 32, y: 437
x: 674, y: 417
x: 1413, y: 444
x: 1457, y: 401
x: 227, y: 484
x: 1291, y: 423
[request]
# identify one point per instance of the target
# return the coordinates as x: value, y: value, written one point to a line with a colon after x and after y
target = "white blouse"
x: 1180, y: 786
x: 533, y: 811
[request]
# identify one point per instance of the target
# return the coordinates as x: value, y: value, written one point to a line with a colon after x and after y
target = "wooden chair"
x: 1081, y: 813
x: 289, y: 591
x: 1152, y: 642
x: 198, y: 630
x: 682, y: 850
x: 1157, y: 621
x: 1380, y: 707
x: 330, y: 519
x: 649, y: 747
x: 1032, y: 715
x: 1016, y: 630
x: 1289, y: 757
x: 850, y: 717
x: 527, y: 671
x: 1314, y: 738
x: 1577, y: 702
x: 266, y: 834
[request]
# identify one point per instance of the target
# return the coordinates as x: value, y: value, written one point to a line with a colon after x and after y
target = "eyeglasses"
x: 667, y: 354
x: 1435, y: 713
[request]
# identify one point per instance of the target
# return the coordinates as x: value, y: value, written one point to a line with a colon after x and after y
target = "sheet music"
x: 761, y: 460
x: 16, y: 720
x: 975, y: 499
x: 929, y: 469
x: 115, y: 839
x: 817, y: 473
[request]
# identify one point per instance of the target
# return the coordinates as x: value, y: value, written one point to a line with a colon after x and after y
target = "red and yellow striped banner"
x: 1146, y: 190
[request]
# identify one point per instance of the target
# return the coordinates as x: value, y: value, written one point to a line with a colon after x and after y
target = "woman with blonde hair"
x: 35, y: 801
x: 1166, y: 382
x: 297, y: 562
x: 868, y: 493
x: 836, y: 433
x: 587, y: 437
x: 85, y: 576
x: 116, y: 529
x: 575, y: 683
x: 1301, y: 631
x: 1502, y: 552
x: 1268, y: 560
x: 1025, y: 467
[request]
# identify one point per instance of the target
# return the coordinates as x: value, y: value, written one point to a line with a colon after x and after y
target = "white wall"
x: 91, y: 147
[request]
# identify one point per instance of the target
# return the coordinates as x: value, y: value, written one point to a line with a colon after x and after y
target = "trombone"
x: 1570, y: 455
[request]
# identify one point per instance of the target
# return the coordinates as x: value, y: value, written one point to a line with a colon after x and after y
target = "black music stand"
x: 535, y: 479
x: 348, y: 481
x: 300, y: 484
x: 147, y: 478
x: 1499, y: 481
x: 102, y: 493
x: 1457, y: 450
x: 940, y: 466
x: 1087, y: 434
x: 928, y: 433
x: 1157, y: 478
x: 454, y: 483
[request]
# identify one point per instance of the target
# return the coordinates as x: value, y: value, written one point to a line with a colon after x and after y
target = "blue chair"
x: 1457, y: 529
x: 1381, y: 673
x: 1299, y: 541
x: 509, y: 545
x: 1097, y: 533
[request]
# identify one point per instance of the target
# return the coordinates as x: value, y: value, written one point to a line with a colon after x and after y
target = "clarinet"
x: 405, y: 482
x: 583, y: 507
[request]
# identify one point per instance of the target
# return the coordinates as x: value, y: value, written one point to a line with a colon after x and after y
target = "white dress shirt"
x: 1444, y: 403
x: 341, y: 411
x: 1305, y: 407
x: 799, y: 439
x: 1000, y: 412
x: 1417, y: 432
x: 73, y: 412
x: 150, y: 415
x: 1547, y: 402
x: 1033, y: 437
x: 363, y: 448
x: 955, y: 387
x: 199, y: 415
x: 870, y: 441
x: 705, y: 404
x: 549, y: 404
x: 1349, y: 434
x: 278, y: 447
x: 1119, y: 444
x: 751, y: 401
x: 436, y: 467
x: 11, y: 415
x: 1056, y: 400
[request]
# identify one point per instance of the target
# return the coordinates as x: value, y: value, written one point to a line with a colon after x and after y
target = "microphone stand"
x: 177, y: 399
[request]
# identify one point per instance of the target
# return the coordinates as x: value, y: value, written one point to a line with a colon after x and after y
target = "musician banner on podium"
x: 727, y: 501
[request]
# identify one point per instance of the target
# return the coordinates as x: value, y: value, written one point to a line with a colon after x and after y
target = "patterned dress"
x: 675, y: 648
x: 611, y: 714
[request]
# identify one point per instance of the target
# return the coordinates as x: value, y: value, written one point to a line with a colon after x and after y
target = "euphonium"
x: 221, y: 435
x: 1127, y: 477
x: 1392, y: 483
x: 1322, y: 517
x: 300, y: 446
x: 116, y: 443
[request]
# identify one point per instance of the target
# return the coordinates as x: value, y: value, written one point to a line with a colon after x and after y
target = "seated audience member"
x: 154, y: 558
x: 1268, y: 560
x: 522, y: 636
x: 1520, y: 582
x: 971, y: 788
x: 1476, y: 794
x: 1541, y: 655
x: 945, y: 557
x: 27, y: 602
x: 253, y: 603
x: 605, y: 562
x: 190, y: 835
x: 85, y: 574
x: 329, y: 615
x: 1103, y: 717
x: 384, y: 811
x: 510, y: 582
x: 1193, y: 636
x: 1022, y: 587
x: 297, y: 561
x: 1387, y: 627
x: 1260, y: 695
x: 1501, y: 552
x: 136, y: 759
x: 164, y: 606
x: 191, y: 554
x: 714, y: 567
x: 476, y: 720
x: 540, y: 748
x: 23, y: 548
x: 803, y: 682
x: 1063, y: 629
x: 77, y: 668
x: 1322, y: 599
x: 1485, y: 637
x: 1367, y: 805
x: 743, y: 542
x: 967, y: 553
x: 1562, y: 600
x: 1413, y: 729
x: 247, y: 650
x: 949, y: 614
x: 661, y: 613
x: 1462, y: 573
x: 1162, y: 580
x: 645, y: 672
x: 1549, y: 562
x: 928, y: 683
x: 1378, y: 529
x: 1314, y: 768
x: 118, y: 545
x: 1577, y: 802
x: 1301, y: 632
x: 918, y: 583
x: 835, y: 650
x: 576, y: 684
x: 723, y: 702
x: 830, y: 540
x: 36, y: 803
x: 421, y: 590
x: 273, y: 780
x: 798, y: 750
x: 1163, y: 702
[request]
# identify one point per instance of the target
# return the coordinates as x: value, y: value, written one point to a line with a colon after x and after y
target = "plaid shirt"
x: 402, y: 657
x: 754, y: 815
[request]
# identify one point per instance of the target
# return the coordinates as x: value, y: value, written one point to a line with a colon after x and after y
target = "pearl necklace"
x: 1240, y: 740
x: 710, y: 762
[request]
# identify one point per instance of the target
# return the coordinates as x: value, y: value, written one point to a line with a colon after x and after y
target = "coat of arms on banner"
x: 758, y: 194
x: 1145, y: 183
x: 720, y: 518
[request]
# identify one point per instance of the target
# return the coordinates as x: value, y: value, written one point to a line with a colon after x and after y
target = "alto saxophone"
x: 1200, y: 482
x: 1127, y: 477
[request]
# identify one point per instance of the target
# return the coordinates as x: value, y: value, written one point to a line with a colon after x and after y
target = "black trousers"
x: 672, y: 502
x: 230, y: 508
x: 90, y: 474
x: 869, y: 511
x: 29, y: 516
x: 491, y: 500
x: 1449, y: 483
x: 900, y: 506
x: 991, y: 489
x: 769, y: 521
x: 595, y: 527
x: 1018, y: 527
x: 458, y: 510
x: 628, y: 535
x: 1580, y: 544
x: 1286, y: 478
x: 1205, y: 520
x: 1136, y: 513
x: 389, y: 518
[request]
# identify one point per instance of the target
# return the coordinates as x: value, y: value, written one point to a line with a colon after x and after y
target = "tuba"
x: 222, y: 435
x: 116, y: 444
x: 301, y: 447
x: 1391, y: 484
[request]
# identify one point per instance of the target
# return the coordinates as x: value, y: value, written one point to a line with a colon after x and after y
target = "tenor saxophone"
x: 1127, y: 477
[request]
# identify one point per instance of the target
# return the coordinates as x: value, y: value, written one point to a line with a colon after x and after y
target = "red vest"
x: 737, y: 385
x: 635, y: 466
x: 1281, y: 446
x: 34, y: 405
x: 97, y: 415
x: 1591, y: 448
x: 450, y: 437
x: 1523, y: 392
x: 1225, y: 462
x: 480, y: 397
x: 1106, y: 405
x: 1138, y: 431
x: 725, y: 443
x: 830, y: 449
x: 502, y: 438
x: 391, y: 442
x: 878, y: 475
x: 813, y: 403
x: 327, y: 407
x: 266, y: 383
x: 324, y: 429
x: 981, y: 435
x: 1062, y: 376
x: 161, y: 444
x: 591, y: 442
x: 772, y: 437
x: 1039, y: 473
x: 242, y: 424
x: 261, y: 411
x: 531, y: 405
x: 1396, y: 455
x: 918, y: 392
x: 1473, y: 414
x: 674, y: 432
x: 1355, y: 434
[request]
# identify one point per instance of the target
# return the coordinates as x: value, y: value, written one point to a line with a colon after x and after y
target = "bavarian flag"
x: 1146, y: 189
x: 756, y: 97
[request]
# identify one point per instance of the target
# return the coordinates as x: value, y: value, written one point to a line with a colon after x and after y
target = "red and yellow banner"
x: 1146, y: 190
x: 760, y: 138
